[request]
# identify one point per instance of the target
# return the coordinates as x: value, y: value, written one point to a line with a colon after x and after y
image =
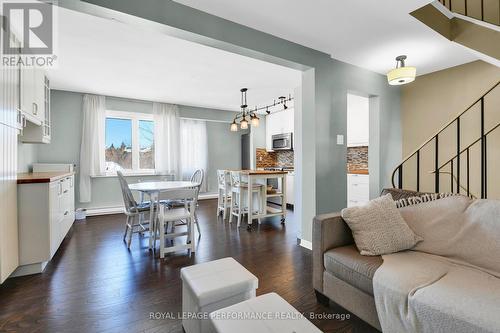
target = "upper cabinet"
x: 278, y: 123
x: 358, y: 121
x: 35, y: 106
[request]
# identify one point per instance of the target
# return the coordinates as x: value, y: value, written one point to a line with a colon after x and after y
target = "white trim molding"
x: 97, y: 211
x: 306, y: 244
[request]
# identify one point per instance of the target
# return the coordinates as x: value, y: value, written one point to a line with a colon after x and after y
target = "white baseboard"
x: 29, y: 269
x: 119, y: 209
x: 306, y: 244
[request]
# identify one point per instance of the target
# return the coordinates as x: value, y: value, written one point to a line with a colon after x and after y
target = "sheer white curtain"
x: 166, y: 119
x: 194, y: 148
x: 92, y: 160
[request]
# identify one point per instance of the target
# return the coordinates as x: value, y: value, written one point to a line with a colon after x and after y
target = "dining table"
x: 153, y: 189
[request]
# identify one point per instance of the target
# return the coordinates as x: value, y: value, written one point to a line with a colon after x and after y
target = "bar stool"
x: 239, y: 190
x: 224, y: 193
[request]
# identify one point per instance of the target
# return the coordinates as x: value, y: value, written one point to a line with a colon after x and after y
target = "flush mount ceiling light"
x: 401, y: 74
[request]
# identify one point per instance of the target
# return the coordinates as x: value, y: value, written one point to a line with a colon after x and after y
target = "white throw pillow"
x: 378, y: 227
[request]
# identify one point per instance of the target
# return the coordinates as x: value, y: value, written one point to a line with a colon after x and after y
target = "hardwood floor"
x: 94, y: 284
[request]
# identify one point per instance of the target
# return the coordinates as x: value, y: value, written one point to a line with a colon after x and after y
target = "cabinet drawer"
x: 358, y: 189
x: 358, y: 179
x: 353, y: 203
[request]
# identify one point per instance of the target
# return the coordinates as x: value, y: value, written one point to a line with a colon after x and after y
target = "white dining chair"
x: 135, y: 222
x: 168, y: 217
x: 224, y: 193
x: 239, y: 190
x: 197, y: 177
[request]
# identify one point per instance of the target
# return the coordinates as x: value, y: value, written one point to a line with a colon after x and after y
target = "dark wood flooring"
x: 94, y: 284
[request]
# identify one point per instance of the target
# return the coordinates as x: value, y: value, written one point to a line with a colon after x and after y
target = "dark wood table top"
x: 262, y: 172
x: 41, y: 177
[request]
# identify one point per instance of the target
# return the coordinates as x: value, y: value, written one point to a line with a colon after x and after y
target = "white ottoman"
x: 212, y: 286
x: 268, y: 313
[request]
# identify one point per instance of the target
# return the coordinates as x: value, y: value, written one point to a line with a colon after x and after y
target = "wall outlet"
x: 340, y: 139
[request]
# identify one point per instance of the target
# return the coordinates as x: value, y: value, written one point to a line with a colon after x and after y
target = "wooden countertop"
x: 41, y: 177
x: 262, y: 172
x: 357, y: 172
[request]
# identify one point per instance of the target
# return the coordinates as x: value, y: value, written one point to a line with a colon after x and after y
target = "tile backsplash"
x: 267, y: 159
x: 357, y: 158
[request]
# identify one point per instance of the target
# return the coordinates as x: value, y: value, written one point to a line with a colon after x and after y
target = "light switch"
x: 340, y: 139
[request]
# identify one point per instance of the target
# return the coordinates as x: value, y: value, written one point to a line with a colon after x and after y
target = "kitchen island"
x: 261, y: 177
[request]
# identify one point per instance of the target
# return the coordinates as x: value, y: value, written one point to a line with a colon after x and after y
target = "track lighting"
x: 253, y: 119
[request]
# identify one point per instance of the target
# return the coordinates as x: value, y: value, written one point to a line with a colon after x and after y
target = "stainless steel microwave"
x: 283, y: 141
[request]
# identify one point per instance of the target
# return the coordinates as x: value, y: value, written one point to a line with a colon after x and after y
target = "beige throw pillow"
x: 378, y: 227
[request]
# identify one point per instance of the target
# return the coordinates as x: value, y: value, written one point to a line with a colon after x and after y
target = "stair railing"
x: 449, y: 4
x: 455, y: 161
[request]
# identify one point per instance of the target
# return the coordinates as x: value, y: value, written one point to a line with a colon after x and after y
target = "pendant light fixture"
x: 401, y: 74
x: 247, y: 117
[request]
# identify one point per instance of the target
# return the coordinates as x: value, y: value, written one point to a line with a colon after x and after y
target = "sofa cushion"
x: 378, y: 227
x: 397, y: 193
x: 347, y: 264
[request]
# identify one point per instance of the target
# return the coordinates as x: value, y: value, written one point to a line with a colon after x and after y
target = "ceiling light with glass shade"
x: 244, y: 115
x: 247, y: 117
x: 401, y: 74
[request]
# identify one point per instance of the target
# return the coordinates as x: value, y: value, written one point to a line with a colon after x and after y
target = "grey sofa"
x: 340, y: 273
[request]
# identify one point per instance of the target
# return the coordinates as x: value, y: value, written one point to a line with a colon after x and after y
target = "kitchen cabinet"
x: 358, y: 190
x: 358, y: 121
x: 46, y: 213
x: 9, y: 98
x: 35, y: 106
x: 278, y: 123
x: 31, y: 91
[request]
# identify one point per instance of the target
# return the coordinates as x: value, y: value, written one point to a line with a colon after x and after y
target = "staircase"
x: 462, y: 157
x: 483, y: 10
x: 474, y: 24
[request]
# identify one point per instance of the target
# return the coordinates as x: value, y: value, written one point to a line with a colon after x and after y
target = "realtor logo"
x: 28, y: 29
x: 32, y: 24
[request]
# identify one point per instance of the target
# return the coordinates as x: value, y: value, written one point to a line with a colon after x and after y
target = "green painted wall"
x: 224, y: 148
x: 321, y: 164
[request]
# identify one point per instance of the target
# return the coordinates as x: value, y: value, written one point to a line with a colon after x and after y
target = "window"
x: 129, y: 145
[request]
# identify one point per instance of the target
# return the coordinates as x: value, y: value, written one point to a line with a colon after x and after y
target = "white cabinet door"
x: 358, y: 190
x: 358, y: 120
x: 269, y: 131
x: 54, y: 216
x: 39, y: 94
x: 38, y: 130
x: 32, y: 95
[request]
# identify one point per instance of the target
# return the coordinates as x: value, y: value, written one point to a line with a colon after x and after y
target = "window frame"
x: 135, y: 117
